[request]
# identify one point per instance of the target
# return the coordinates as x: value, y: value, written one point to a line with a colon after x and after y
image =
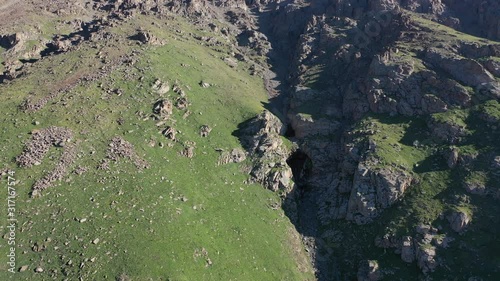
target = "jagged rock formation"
x: 459, y: 221
x: 163, y: 107
x: 146, y: 37
x: 262, y: 139
x: 234, y: 156
x: 374, y: 190
x: 353, y: 59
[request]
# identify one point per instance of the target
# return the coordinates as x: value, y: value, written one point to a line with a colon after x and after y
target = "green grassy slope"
x: 181, y: 219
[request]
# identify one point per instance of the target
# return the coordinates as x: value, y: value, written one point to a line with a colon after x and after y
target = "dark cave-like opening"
x: 290, y: 132
x: 300, y: 164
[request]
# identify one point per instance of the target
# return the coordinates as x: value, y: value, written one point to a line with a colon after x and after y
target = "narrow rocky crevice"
x: 283, y: 33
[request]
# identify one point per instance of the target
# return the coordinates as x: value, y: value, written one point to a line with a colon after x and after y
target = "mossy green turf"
x: 151, y: 224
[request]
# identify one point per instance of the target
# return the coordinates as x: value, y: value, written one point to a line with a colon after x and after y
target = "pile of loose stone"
x: 120, y: 148
x: 39, y: 145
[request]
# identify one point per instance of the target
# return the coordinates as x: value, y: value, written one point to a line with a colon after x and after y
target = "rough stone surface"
x: 459, y: 220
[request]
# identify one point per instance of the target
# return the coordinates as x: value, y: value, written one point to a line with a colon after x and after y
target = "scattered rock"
x: 160, y: 87
x: 146, y: 37
x: 231, y: 62
x: 205, y: 130
x: 80, y: 170
x: 369, y: 271
x: 119, y: 148
x: 204, y: 84
x: 40, y: 143
x: 23, y: 268
x: 37, y: 148
x: 188, y: 152
x: 181, y: 103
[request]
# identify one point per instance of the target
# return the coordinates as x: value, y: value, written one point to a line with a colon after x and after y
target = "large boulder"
x: 426, y: 255
x: 375, y: 189
x: 465, y: 70
x: 261, y: 136
x: 459, y: 220
x: 12, y: 40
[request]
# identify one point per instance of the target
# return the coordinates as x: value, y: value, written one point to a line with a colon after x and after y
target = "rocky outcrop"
x: 493, y: 67
x: 447, y: 130
x: 459, y: 220
x: 480, y: 18
x: 420, y: 248
x: 452, y: 158
x: 467, y: 71
x: 160, y: 87
x: 15, y: 40
x: 262, y: 139
x: 474, y: 187
x: 146, y: 37
x: 163, y: 107
x: 170, y: 133
x: 205, y: 131
x: 255, y: 41
x: 426, y: 258
x: 375, y: 189
x: 305, y: 126
x: 236, y: 155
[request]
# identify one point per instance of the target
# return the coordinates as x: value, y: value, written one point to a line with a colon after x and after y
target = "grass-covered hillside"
x: 150, y: 206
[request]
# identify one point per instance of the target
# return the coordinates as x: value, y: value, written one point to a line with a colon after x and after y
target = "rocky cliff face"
x: 353, y: 61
